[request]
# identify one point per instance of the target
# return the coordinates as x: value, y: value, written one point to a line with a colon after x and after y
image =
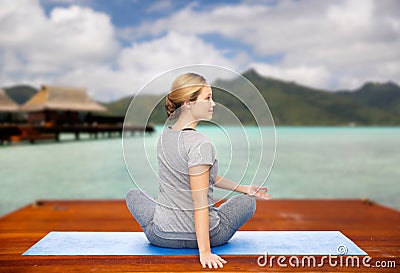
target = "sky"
x: 114, y: 47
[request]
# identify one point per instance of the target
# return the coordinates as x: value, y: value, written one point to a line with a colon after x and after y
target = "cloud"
x: 353, y: 39
x: 77, y: 46
x: 321, y: 44
x: 312, y: 76
x: 76, y: 2
x: 69, y: 38
x: 161, y: 5
x: 173, y: 49
x: 141, y: 62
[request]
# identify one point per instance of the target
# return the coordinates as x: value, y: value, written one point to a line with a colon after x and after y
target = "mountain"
x: 20, y: 93
x: 118, y: 107
x: 377, y: 95
x: 294, y: 104
x: 289, y: 102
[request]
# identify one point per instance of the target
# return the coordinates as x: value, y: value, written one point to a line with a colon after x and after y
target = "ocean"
x: 310, y: 162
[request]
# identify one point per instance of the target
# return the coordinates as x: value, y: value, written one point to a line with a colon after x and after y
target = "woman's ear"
x: 187, y: 104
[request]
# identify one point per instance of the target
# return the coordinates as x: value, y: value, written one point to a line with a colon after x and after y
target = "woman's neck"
x: 182, y: 123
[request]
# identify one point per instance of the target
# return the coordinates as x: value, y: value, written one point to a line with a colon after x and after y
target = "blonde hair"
x: 185, y: 87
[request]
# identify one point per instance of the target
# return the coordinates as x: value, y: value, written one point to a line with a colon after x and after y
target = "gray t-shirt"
x: 176, y: 152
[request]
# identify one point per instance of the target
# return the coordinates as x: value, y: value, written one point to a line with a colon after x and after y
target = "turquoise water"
x: 310, y: 162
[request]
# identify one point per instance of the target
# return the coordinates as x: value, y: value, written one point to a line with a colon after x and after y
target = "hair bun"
x: 170, y: 107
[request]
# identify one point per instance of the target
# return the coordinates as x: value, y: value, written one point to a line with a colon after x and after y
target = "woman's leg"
x: 233, y: 214
x: 141, y: 206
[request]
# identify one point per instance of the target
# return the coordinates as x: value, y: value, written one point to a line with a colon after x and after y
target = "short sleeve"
x: 201, y: 154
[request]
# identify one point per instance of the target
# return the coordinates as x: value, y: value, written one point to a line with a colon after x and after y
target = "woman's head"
x: 185, y: 88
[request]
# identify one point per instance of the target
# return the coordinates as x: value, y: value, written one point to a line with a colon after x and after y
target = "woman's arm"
x: 199, y: 183
x: 226, y: 184
x: 257, y: 191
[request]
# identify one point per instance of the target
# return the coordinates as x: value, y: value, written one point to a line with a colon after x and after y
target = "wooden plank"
x: 376, y: 229
x: 32, y: 133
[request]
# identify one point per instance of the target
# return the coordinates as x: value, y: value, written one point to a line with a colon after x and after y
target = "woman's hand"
x: 257, y: 191
x: 211, y: 260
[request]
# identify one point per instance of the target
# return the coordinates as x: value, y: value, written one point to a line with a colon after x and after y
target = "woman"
x: 184, y: 215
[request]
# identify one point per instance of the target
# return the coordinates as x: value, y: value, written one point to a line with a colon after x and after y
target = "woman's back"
x: 176, y: 152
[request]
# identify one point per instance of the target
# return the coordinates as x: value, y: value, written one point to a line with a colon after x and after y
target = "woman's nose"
x: 212, y: 103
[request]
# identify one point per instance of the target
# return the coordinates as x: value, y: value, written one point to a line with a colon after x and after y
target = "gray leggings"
x: 233, y: 214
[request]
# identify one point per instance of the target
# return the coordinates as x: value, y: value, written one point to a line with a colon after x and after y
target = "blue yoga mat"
x: 244, y: 243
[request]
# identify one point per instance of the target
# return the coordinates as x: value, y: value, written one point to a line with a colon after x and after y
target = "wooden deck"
x: 33, y: 133
x: 376, y: 229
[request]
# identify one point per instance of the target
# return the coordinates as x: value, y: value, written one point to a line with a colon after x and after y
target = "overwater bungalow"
x: 56, y: 110
x: 57, y: 105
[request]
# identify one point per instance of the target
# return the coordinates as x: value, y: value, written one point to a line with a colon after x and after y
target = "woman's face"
x: 202, y: 108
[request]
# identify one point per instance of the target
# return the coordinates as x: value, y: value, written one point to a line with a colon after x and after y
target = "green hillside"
x: 378, y: 95
x: 293, y: 104
x: 20, y: 93
x: 290, y: 103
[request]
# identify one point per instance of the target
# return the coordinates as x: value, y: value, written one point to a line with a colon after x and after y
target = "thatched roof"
x: 6, y: 103
x: 62, y: 98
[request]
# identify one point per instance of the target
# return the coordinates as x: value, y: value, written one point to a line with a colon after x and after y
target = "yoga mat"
x: 244, y: 243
